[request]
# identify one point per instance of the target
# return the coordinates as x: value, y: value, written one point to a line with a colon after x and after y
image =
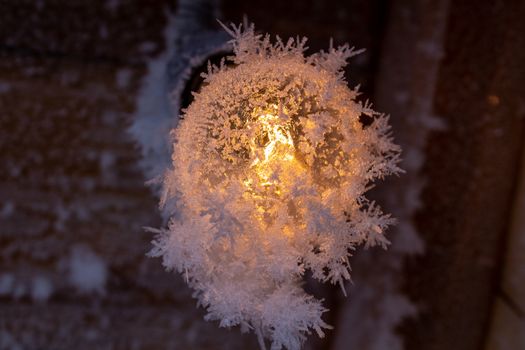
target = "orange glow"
x: 275, y: 156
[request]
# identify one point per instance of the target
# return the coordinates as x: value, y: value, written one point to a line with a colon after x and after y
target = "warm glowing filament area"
x: 278, y: 148
x: 287, y: 231
x: 274, y: 171
x: 269, y: 174
x: 277, y: 136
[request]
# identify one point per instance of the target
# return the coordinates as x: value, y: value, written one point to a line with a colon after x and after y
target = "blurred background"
x: 87, y: 89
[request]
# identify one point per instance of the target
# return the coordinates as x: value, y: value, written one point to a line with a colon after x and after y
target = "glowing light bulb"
x: 270, y: 167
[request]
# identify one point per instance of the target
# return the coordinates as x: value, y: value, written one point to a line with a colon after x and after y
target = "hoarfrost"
x: 6, y: 284
x: 41, y: 289
x: 87, y: 271
x: 270, y: 167
x: 152, y: 116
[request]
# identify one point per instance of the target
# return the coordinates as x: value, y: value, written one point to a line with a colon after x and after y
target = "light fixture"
x: 270, y: 166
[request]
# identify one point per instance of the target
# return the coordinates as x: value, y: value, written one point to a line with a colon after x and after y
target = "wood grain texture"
x: 69, y: 76
x: 471, y: 170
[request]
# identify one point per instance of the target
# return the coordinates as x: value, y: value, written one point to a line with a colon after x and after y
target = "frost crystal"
x: 270, y: 166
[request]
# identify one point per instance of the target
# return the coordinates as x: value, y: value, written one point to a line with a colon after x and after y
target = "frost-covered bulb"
x: 270, y: 165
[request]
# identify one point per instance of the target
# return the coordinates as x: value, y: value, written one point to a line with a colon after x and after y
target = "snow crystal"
x: 87, y: 271
x: 270, y: 167
x: 41, y: 289
x: 6, y: 284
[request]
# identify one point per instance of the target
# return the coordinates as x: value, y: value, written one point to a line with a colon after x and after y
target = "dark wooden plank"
x: 471, y: 169
x: 70, y: 72
x: 86, y: 30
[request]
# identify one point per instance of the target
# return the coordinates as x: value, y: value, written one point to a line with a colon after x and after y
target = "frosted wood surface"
x: 507, y: 327
x: 70, y: 185
x: 471, y: 170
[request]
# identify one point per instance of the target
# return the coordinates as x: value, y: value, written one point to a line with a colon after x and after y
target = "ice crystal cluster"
x: 270, y: 165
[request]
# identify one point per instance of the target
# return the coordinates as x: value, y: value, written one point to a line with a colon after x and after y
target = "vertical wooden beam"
x: 471, y: 170
x: 507, y: 330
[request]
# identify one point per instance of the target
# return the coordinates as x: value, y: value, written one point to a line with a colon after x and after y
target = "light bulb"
x: 270, y: 167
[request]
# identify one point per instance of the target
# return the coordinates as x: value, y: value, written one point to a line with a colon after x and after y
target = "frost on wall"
x: 87, y: 271
x: 270, y: 165
x: 168, y: 74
